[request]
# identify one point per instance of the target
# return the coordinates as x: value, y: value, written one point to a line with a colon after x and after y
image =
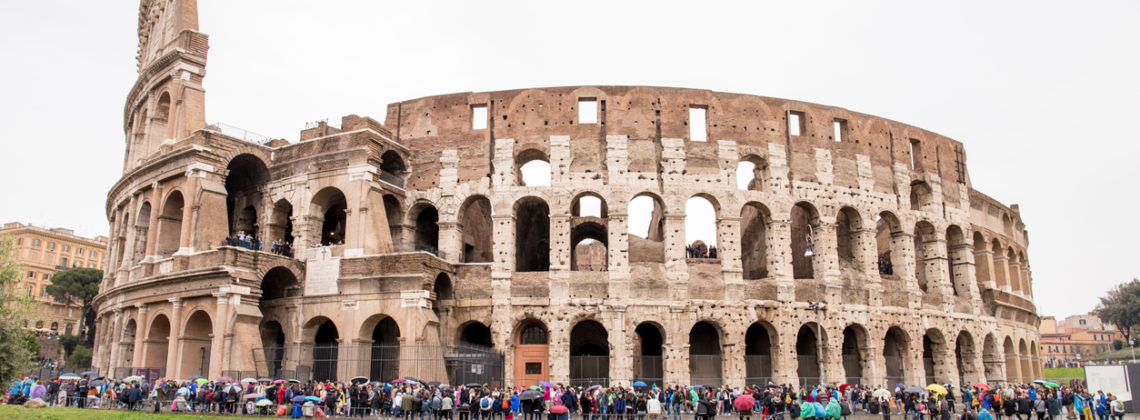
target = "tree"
x: 1121, y: 307
x: 80, y: 358
x: 78, y: 285
x: 15, y: 355
x: 1117, y: 344
x: 69, y: 342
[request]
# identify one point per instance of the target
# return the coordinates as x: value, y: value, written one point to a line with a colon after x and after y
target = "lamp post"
x: 1132, y: 344
x: 816, y: 307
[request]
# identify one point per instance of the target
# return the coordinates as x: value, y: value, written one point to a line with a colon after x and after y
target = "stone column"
x: 732, y: 350
x: 874, y: 365
x: 115, y: 337
x: 825, y: 262
x: 984, y: 268
x: 140, y: 332
x: 156, y: 209
x: 1001, y: 272
x: 451, y: 240
x: 904, y: 266
x: 217, y: 339
x: 728, y: 250
x: 676, y: 268
x: 780, y: 263
x: 174, y: 340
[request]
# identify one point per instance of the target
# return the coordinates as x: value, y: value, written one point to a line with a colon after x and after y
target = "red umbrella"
x: 981, y: 385
x: 843, y: 387
x: 744, y: 403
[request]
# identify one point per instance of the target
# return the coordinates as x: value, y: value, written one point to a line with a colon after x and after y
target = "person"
x: 1041, y: 408
x: 885, y: 408
x: 1101, y: 407
x: 653, y: 408
x: 985, y: 415
x: 1117, y: 407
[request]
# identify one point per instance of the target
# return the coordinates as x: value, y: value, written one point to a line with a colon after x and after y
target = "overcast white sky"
x: 1042, y: 94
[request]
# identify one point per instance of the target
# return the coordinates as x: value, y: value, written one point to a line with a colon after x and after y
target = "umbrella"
x: 97, y: 382
x: 981, y: 385
x: 313, y: 398
x: 473, y: 385
x: 252, y: 396
x: 294, y: 381
x: 412, y: 382
x: 772, y: 385
x: 264, y: 403
x: 224, y: 379
x: 433, y: 383
x: 265, y: 380
x: 937, y: 388
x: 638, y: 383
x: 202, y: 381
x: 279, y: 381
x: 1051, y: 384
x: 530, y: 395
x: 194, y: 377
x: 299, y: 399
x: 843, y: 387
x: 593, y: 387
x: 69, y: 377
x: 399, y: 381
x: 697, y: 386
x: 744, y: 403
x: 881, y: 393
x: 88, y: 373
x: 133, y: 378
x: 358, y: 379
x: 545, y: 384
x: 535, y: 387
x: 900, y: 385
x: 914, y: 390
x: 247, y: 381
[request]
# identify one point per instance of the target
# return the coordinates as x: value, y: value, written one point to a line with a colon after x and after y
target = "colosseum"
x: 582, y: 235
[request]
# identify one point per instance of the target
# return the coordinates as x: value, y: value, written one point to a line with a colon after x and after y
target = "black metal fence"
x: 589, y: 370
x: 450, y: 364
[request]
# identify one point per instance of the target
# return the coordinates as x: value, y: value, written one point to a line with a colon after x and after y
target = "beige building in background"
x: 1075, y: 339
x: 43, y: 253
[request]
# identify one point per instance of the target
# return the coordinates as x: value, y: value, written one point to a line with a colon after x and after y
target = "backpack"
x: 874, y: 408
x: 506, y: 404
x: 844, y: 409
x: 485, y: 403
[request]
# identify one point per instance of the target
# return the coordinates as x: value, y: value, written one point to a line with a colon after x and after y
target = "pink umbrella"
x: 744, y: 402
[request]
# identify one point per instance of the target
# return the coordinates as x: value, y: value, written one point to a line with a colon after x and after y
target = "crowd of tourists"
x: 251, y: 242
x: 409, y: 399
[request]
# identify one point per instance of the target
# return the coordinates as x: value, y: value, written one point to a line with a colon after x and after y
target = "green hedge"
x: 1064, y: 373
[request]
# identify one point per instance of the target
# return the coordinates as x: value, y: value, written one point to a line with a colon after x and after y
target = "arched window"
x: 751, y: 173
x: 589, y: 233
x: 804, y: 220
x: 533, y: 334
x: 532, y: 235
x: 646, y: 229
x: 477, y: 229
x: 533, y: 168
x: 700, y: 228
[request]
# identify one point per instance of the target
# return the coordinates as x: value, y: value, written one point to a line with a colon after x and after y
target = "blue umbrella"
x: 88, y: 373
x: 638, y: 383
x: 313, y: 398
x: 299, y: 399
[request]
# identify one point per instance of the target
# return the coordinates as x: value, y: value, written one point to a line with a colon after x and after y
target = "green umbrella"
x: 1051, y: 384
x: 202, y: 381
x: 535, y: 387
x: 135, y: 378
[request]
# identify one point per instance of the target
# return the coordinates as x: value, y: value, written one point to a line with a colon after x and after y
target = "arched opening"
x: 245, y: 179
x: 394, y: 211
x: 754, y: 229
x: 279, y: 283
x: 197, y: 336
x: 848, y: 227
x: 751, y: 173
x: 385, y: 357
x: 804, y: 220
x: 854, y: 365
x: 758, y: 346
x: 531, y: 353
x: 427, y: 230
x: 1012, y: 368
x: 281, y: 228
x: 888, y: 242
x: 956, y: 251
x: 475, y: 218
x: 392, y: 168
x: 1014, y: 270
x: 920, y: 195
x: 444, y: 294
x: 157, y: 344
x: 705, y: 355
x: 162, y: 108
x: 325, y: 351
x: 700, y: 228
x: 170, y: 225
x: 589, y: 354
x: 589, y: 233
x: 589, y: 205
x: 159, y: 122
x: 999, y: 264
x: 1006, y: 224
x: 533, y: 168
x: 646, y: 229
x: 1036, y: 359
x: 532, y: 235
x: 991, y: 362
x: 935, y: 357
x: 648, y: 365
x: 126, y: 226
x: 1026, y: 284
x: 273, y: 345
x: 331, y: 207
x: 142, y: 227
x: 126, y: 342
x: 964, y: 357
x: 807, y: 354
x: 925, y: 260
x: 1026, y: 368
x: 476, y: 333
x: 895, y: 347
x: 982, y: 261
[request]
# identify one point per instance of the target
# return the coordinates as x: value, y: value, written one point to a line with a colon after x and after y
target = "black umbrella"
x: 433, y: 383
x: 593, y: 387
x: 473, y: 385
x: 358, y: 379
x: 530, y: 395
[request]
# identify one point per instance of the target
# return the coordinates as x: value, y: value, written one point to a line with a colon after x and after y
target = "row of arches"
x: 190, y: 348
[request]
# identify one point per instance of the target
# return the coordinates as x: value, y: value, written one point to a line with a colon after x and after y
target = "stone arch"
x: 589, y: 233
x: 705, y: 354
x: 935, y: 357
x: 443, y: 291
x: 156, y: 346
x: 804, y: 219
x: 956, y: 253
x: 126, y: 342
x: 478, y: 229
x: 751, y: 173
x: 920, y: 195
x: 394, y: 211
x: 965, y: 357
x: 142, y: 227
x: 392, y: 168
x: 807, y: 348
x: 383, y: 332
x: 273, y: 345
x: 197, y: 336
x: 991, y: 361
x: 648, y: 361
x: 761, y: 344
x: 1026, y: 366
x: 1012, y: 367
x: 170, y: 224
x: 896, y: 347
x: 889, y: 244
x: 246, y: 176
x: 531, y: 352
x: 1014, y: 270
x: 983, y: 261
x: 856, y: 363
x: 755, y: 228
x: 646, y: 228
x: 701, y: 216
x: 849, y: 244
x: 532, y: 168
x: 476, y: 333
x: 926, y: 268
x: 426, y: 227
x: 281, y: 223
x: 999, y: 264
x: 532, y: 235
x: 331, y: 207
x: 589, y: 351
x: 279, y: 282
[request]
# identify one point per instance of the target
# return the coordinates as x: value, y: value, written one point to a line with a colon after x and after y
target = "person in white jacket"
x: 653, y: 406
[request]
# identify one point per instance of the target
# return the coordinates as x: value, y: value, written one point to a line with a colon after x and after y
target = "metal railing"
x: 589, y: 370
x: 451, y: 364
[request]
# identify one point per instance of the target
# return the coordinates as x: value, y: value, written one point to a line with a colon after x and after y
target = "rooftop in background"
x: 12, y: 227
x: 1085, y: 322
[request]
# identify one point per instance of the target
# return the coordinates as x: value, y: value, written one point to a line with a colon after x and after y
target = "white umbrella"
x: 69, y: 377
x: 263, y: 403
x: 247, y: 381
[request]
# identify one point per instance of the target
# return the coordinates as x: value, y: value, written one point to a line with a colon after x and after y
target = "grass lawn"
x: 1064, y: 373
x: 52, y: 413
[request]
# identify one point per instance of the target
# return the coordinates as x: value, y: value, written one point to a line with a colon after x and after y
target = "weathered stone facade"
x: 420, y: 231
